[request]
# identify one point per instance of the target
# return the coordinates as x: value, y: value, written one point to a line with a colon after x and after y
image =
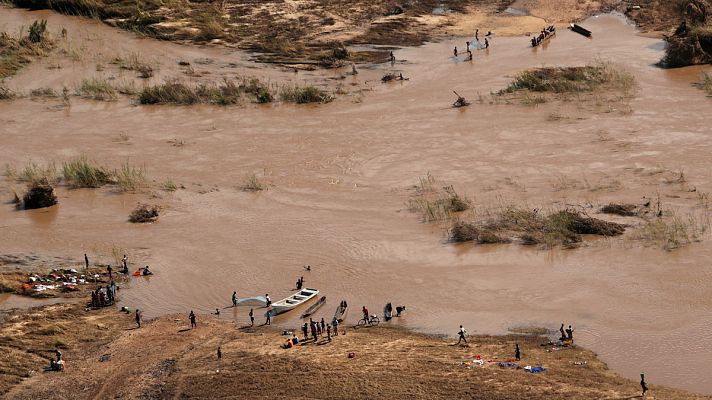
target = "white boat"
x: 293, y: 301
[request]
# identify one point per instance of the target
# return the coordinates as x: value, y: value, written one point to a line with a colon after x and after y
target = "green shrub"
x: 37, y: 31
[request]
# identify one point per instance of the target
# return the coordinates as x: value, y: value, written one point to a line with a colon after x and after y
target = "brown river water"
x: 340, y: 175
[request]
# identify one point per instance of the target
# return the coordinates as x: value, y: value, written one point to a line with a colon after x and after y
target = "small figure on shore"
x: 469, y: 56
x: 454, y: 52
x: 58, y: 354
x: 125, y: 269
x: 468, y: 46
x: 268, y: 300
x: 219, y: 353
x: 295, y: 339
x: 125, y: 262
x: 477, y: 35
x: 323, y: 325
x: 307, y: 268
x: 86, y: 261
x: 312, y: 326
x: 364, y: 310
x: 269, y: 318
x: 328, y: 332
x: 388, y: 312
x: 461, y: 333
x: 643, y: 386
x: 109, y: 269
x: 399, y: 310
x: 318, y: 329
x: 563, y: 335
x: 252, y: 317
x: 517, y: 353
x: 217, y: 312
x: 138, y: 318
x: 392, y: 58
x: 146, y: 271
x: 570, y: 334
x: 486, y: 43
x: 335, y: 324
x: 305, y: 331
x: 234, y: 299
x: 191, y: 317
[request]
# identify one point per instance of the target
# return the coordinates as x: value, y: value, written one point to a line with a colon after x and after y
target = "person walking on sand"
x: 191, y: 317
x: 461, y: 333
x: 517, y: 353
x: 86, y: 261
x: 335, y: 324
x: 454, y: 52
x: 252, y: 317
x: 234, y: 299
x: 269, y: 318
x: 643, y: 386
x: 138, y: 318
x: 219, y: 353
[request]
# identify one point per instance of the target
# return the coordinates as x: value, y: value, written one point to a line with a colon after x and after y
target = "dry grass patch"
x: 97, y: 89
x: 435, y: 201
x: 252, y: 184
x: 529, y: 227
x: 83, y: 173
x: 16, y: 52
x: 134, y: 62
x: 304, y: 94
x: 537, y: 86
x: 706, y: 83
x: 675, y: 231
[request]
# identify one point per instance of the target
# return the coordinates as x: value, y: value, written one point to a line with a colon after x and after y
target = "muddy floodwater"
x: 339, y: 178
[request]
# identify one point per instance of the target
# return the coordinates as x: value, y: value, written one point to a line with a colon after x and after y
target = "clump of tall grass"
x: 35, y: 173
x: 304, y: 94
x: 675, y: 231
x: 134, y: 62
x: 588, y: 78
x: 176, y: 92
x: 19, y: 51
x: 43, y: 92
x: 706, y: 83
x: 130, y: 178
x: 97, y: 89
x: 252, y: 184
x: 82, y: 173
x: 435, y: 202
x: 5, y: 93
x: 562, y: 227
x: 169, y: 186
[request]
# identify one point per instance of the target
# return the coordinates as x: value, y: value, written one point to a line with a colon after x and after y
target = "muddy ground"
x: 167, y: 359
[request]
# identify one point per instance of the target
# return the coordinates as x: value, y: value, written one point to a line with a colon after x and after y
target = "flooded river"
x: 339, y: 178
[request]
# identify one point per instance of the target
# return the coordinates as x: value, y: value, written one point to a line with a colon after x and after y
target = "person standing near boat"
x: 517, y: 352
x: 305, y: 331
x: 335, y: 324
x: 269, y: 318
x: 323, y: 325
x: 365, y: 313
x: 138, y: 318
x: 268, y: 301
x: 234, y: 299
x: 252, y: 317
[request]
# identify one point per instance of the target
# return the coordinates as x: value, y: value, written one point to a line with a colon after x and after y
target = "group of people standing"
x: 475, y: 44
x: 320, y: 328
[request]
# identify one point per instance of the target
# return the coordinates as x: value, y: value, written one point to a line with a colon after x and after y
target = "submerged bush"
x: 570, y: 79
x: 144, y: 213
x: 305, y: 94
x: 40, y: 194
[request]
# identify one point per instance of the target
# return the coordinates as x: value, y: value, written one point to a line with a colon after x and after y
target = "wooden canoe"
x: 312, y: 309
